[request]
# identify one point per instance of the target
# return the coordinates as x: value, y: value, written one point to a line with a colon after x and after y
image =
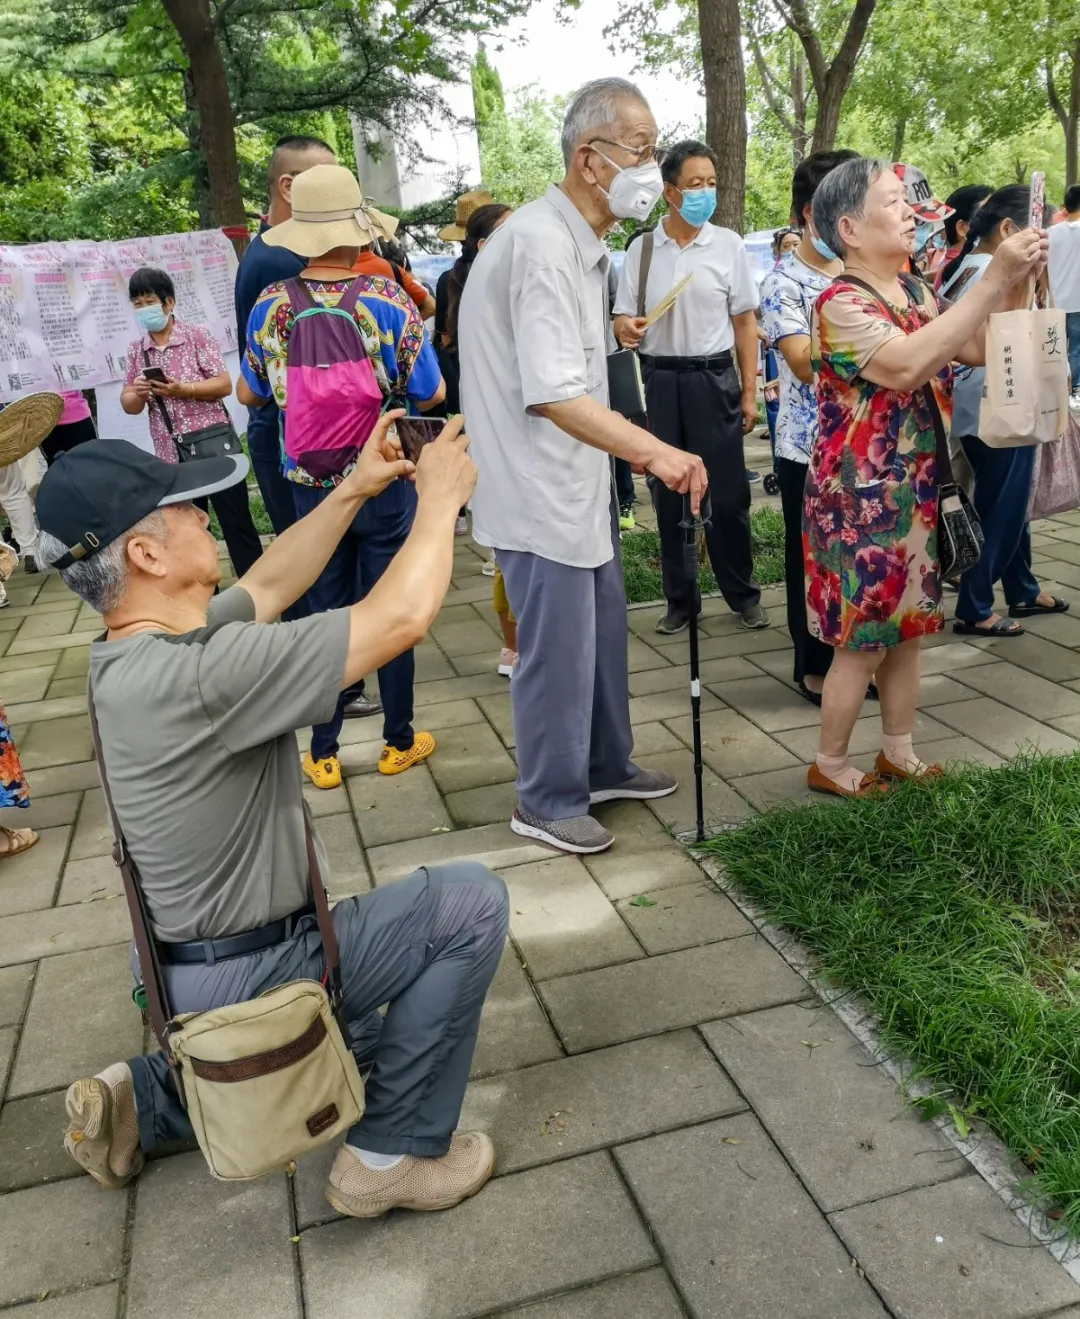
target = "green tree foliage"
x: 489, y: 102
x: 519, y: 148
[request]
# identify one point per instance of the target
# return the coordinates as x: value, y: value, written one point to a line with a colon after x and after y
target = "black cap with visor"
x: 94, y: 493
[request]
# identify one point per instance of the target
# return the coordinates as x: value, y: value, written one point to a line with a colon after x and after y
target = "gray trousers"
x: 428, y: 946
x: 570, y: 691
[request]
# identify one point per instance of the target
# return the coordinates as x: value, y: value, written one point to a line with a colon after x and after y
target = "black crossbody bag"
x: 217, y: 441
x: 960, y: 533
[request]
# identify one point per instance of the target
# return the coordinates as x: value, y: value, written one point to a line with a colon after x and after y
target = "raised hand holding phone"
x: 1037, y: 206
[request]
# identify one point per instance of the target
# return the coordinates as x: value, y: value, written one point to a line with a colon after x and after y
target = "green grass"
x: 641, y: 557
x: 953, y: 908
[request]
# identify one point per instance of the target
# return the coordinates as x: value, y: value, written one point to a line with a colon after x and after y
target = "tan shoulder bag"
x: 263, y: 1081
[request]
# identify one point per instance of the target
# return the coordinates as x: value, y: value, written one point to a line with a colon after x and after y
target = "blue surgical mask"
x: 822, y: 248
x: 698, y: 205
x: 152, y: 318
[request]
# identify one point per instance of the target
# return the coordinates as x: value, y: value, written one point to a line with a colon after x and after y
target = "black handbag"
x: 217, y: 441
x: 626, y: 390
x: 960, y: 533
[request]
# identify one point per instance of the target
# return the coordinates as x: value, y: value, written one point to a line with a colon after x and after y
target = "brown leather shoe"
x: 818, y: 782
x: 887, y: 770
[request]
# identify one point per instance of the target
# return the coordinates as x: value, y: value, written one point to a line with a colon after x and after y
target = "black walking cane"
x: 691, y: 525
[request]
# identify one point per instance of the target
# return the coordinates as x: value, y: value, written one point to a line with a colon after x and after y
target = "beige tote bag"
x: 1026, y: 394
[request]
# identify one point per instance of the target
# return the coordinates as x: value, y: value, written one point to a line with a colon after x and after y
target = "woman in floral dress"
x: 870, y: 509
x: 12, y: 793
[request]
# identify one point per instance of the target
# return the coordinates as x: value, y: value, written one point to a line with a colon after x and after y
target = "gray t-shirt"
x: 198, y: 733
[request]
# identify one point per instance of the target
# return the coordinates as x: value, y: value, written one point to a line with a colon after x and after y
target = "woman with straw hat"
x: 329, y: 226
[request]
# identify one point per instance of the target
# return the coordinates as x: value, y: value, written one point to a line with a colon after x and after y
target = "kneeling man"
x: 199, y: 698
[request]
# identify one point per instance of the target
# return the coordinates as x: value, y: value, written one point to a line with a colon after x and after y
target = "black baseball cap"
x: 95, y: 492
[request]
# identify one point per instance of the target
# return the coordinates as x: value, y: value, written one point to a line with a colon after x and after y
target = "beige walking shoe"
x: 414, y: 1183
x: 103, y: 1130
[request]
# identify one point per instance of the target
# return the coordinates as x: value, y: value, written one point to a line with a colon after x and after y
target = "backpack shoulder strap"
x: 647, y: 242
x: 300, y: 297
x: 348, y: 300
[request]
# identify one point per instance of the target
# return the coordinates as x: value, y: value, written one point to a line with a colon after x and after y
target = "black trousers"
x: 234, y: 514
x: 62, y: 439
x: 811, y: 655
x: 700, y: 412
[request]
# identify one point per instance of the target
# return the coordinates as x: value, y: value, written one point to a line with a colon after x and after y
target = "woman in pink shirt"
x: 187, y: 399
x: 74, y: 427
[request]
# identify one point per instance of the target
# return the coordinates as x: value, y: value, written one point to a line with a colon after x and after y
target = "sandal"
x: 870, y: 784
x: 18, y: 840
x: 1033, y: 607
x: 1002, y: 628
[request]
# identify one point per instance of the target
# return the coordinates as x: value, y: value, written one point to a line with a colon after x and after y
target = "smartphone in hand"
x: 416, y: 432
x: 1037, y: 207
x: 156, y: 374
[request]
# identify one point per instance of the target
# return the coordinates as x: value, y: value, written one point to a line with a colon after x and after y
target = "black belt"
x: 718, y: 363
x: 209, y: 951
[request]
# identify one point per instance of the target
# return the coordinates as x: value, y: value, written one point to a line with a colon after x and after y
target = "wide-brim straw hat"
x: 328, y: 211
x: 25, y: 423
x: 463, y: 208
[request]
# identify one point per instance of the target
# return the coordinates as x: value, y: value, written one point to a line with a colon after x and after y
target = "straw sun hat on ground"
x: 25, y: 423
x: 328, y: 211
x: 463, y: 208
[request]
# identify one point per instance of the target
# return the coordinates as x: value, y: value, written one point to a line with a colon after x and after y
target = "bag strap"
x: 942, y: 460
x: 158, y: 400
x: 157, y: 998
x: 647, y: 243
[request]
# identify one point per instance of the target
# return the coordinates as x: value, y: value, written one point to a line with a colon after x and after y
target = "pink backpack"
x: 332, y: 398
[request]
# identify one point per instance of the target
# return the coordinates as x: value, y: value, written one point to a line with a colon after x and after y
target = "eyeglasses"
x: 642, y: 155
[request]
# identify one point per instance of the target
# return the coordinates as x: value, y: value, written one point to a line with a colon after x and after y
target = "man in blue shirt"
x: 327, y: 231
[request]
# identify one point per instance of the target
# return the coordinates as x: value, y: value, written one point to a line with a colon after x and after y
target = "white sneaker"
x: 489, y: 568
x: 461, y: 526
x: 4, y: 601
x: 507, y: 660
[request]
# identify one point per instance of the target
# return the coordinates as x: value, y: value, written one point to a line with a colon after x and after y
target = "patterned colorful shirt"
x: 788, y: 294
x: 403, y: 360
x: 191, y: 354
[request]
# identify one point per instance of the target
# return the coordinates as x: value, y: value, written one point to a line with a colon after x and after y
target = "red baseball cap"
x: 919, y: 197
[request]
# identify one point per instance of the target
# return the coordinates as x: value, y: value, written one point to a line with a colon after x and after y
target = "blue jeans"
x: 264, y: 448
x: 1002, y: 487
x: 772, y: 409
x: 428, y: 946
x: 1072, y: 337
x: 377, y: 533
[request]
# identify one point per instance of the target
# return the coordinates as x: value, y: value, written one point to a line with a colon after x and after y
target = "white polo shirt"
x: 1065, y: 264
x: 531, y: 330
x: 699, y: 324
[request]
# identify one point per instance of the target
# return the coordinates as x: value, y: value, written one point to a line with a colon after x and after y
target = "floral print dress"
x: 870, y: 508
x: 13, y: 791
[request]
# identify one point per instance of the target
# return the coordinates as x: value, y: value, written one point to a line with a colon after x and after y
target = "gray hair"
x: 100, y: 579
x: 843, y: 192
x: 593, y: 108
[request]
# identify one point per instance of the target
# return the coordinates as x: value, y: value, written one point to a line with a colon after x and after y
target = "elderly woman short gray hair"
x: 843, y: 192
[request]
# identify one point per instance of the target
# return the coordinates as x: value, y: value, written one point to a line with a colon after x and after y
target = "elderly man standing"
x: 532, y: 328
x: 198, y: 698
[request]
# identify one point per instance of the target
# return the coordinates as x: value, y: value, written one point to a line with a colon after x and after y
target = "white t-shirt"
x: 532, y: 330
x: 1065, y: 264
x: 699, y: 324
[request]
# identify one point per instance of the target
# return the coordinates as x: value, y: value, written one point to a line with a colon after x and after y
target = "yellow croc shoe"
x: 323, y: 773
x: 393, y: 761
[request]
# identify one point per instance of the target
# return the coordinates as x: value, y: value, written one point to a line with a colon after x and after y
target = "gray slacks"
x: 570, y: 695
x: 428, y: 946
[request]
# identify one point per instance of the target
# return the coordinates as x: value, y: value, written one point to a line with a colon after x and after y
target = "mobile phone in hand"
x: 1037, y: 207
x: 416, y: 432
x: 156, y: 374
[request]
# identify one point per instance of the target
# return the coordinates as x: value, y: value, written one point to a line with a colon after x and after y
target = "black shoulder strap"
x: 647, y: 241
x: 159, y: 401
x: 911, y: 286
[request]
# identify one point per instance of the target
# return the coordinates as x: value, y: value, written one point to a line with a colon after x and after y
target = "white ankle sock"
x: 899, y: 751
x: 840, y: 770
x: 377, y: 1162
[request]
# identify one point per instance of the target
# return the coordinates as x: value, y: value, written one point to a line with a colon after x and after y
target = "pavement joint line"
x: 626, y: 961
x: 982, y: 1149
x: 505, y: 1312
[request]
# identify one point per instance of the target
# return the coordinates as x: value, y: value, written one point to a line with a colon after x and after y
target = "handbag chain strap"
x: 943, y: 462
x: 157, y: 996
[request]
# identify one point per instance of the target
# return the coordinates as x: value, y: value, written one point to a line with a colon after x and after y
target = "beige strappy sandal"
x: 18, y: 840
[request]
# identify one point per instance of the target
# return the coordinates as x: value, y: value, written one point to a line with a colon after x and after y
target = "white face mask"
x: 634, y: 191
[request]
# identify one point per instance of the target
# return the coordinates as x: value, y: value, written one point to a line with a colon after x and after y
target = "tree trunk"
x: 801, y: 137
x: 720, y: 26
x: 216, y: 125
x: 1068, y: 118
x: 899, y: 133
x: 830, y: 80
x: 200, y: 182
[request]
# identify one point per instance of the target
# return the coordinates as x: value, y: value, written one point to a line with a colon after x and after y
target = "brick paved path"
x: 668, y: 1142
